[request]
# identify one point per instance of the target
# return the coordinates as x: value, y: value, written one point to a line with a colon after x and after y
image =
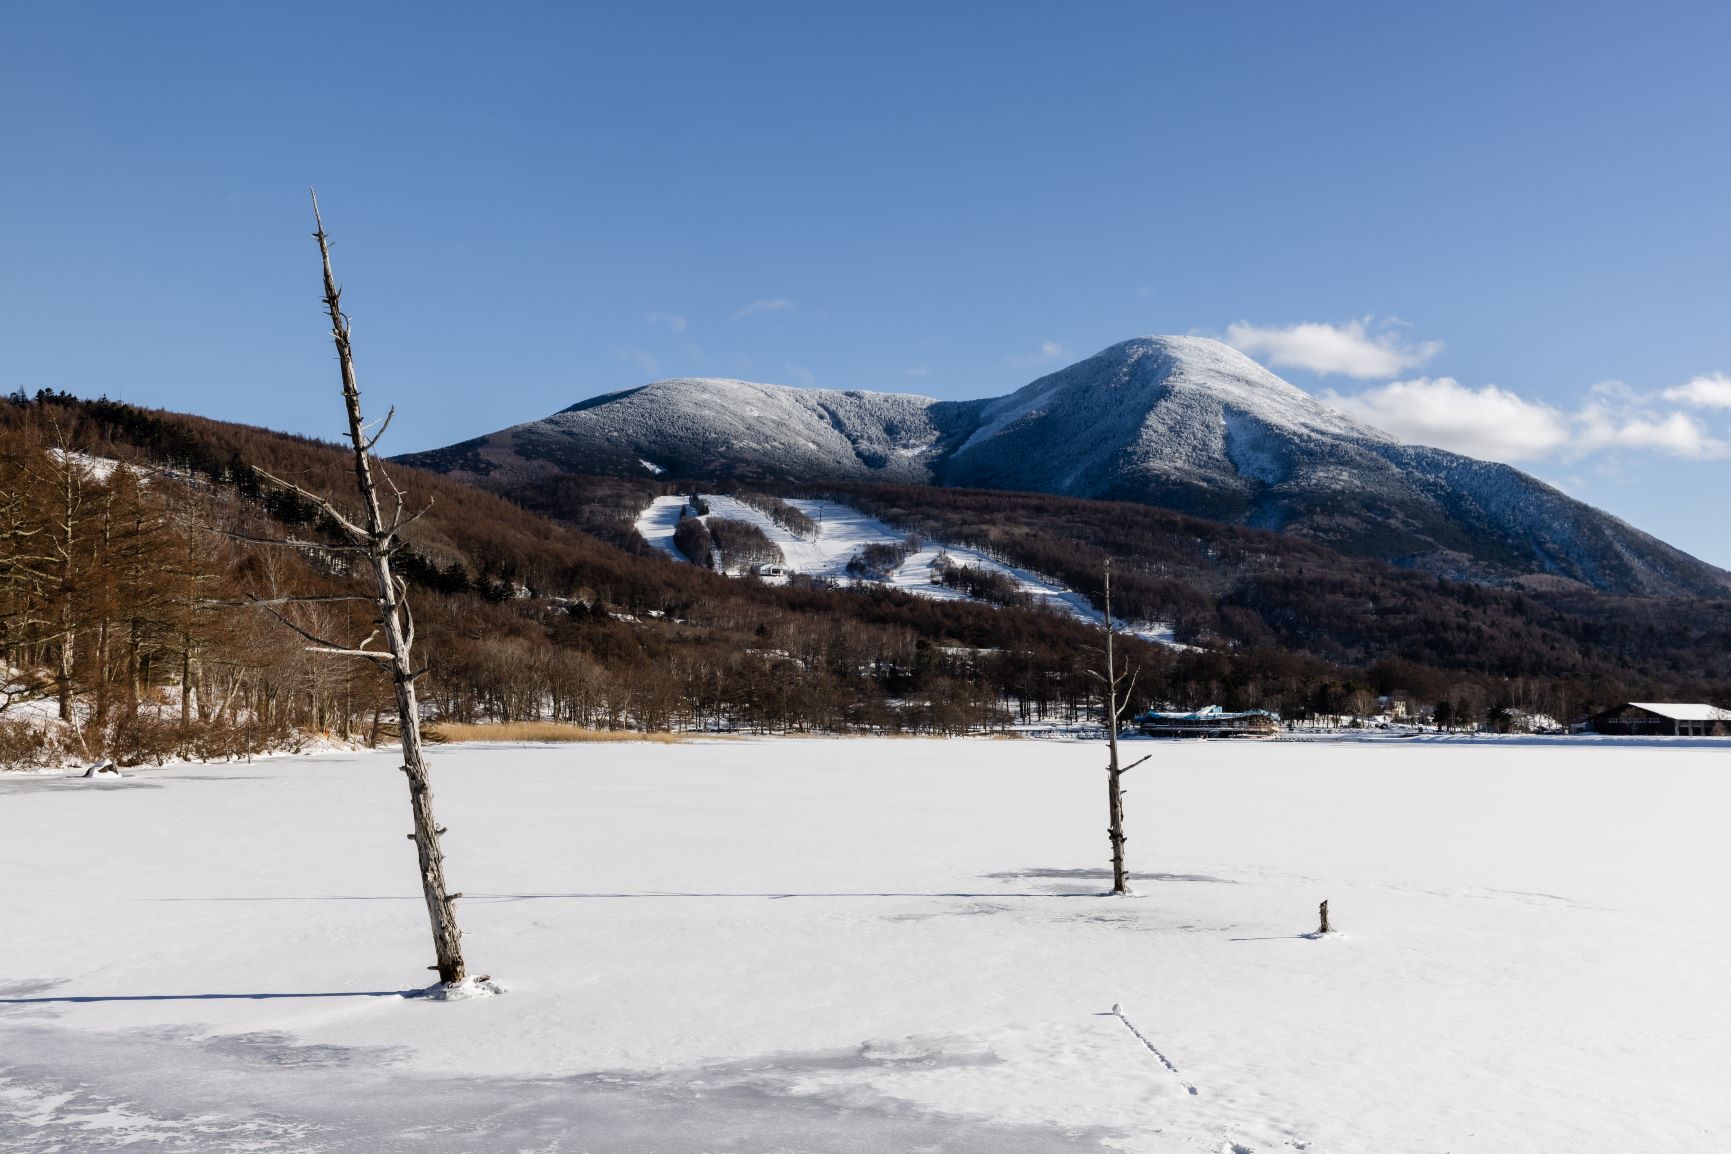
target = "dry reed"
x: 538, y: 731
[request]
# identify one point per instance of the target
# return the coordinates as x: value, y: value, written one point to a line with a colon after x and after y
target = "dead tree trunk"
x: 376, y: 540
x: 399, y: 627
x: 1114, y: 772
x: 1116, y: 703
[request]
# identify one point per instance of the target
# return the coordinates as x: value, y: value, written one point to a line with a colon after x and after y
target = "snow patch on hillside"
x: 97, y: 469
x: 844, y: 531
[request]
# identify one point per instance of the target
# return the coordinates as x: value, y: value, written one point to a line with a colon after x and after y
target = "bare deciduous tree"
x: 374, y: 540
x: 1116, y: 703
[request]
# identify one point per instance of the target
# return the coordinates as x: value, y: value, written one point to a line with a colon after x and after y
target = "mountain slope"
x: 1181, y: 422
x: 707, y: 427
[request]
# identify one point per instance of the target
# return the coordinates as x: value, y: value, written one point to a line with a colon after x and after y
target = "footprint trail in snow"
x: 1118, y: 1012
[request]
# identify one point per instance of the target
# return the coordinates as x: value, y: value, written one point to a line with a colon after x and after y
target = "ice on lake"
x: 879, y: 945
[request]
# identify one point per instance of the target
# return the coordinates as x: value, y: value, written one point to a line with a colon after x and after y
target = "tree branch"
x: 408, y: 617
x: 266, y: 602
x: 355, y: 532
x: 288, y: 543
x: 1133, y: 675
x: 383, y: 425
x: 400, y: 523
x: 324, y: 644
x: 375, y: 656
x: 397, y: 513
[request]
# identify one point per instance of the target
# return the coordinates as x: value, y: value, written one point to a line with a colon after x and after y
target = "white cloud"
x: 1486, y: 422
x: 1499, y: 425
x: 1675, y: 435
x: 802, y: 374
x: 917, y: 371
x: 642, y: 360
x: 674, y: 321
x: 1049, y: 351
x: 1349, y: 350
x: 1709, y: 391
x: 767, y: 305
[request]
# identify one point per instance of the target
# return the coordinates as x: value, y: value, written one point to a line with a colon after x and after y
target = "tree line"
x: 118, y: 630
x: 1247, y: 591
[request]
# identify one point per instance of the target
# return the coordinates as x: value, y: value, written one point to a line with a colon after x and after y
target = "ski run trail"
x: 843, y: 531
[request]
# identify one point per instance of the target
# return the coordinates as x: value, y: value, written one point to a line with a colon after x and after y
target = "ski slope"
x: 843, y: 531
x: 877, y: 946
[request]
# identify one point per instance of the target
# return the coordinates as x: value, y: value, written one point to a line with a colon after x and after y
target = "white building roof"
x: 1684, y: 712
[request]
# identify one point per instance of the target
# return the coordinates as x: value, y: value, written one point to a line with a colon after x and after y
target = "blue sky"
x: 1500, y: 228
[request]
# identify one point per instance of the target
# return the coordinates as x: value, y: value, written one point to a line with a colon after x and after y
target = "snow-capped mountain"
x: 1182, y: 422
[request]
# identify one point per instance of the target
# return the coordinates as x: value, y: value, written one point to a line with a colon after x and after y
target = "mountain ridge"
x: 1185, y: 423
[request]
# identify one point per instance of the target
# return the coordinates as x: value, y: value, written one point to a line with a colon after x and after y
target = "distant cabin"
x: 1662, y: 719
x: 1210, y: 722
x: 769, y: 570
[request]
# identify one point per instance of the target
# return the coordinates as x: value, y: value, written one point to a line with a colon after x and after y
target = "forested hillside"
x: 127, y: 629
x: 1254, y: 601
x: 112, y: 649
x: 1248, y: 589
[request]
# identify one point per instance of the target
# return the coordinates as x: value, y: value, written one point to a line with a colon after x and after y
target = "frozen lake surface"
x: 877, y: 945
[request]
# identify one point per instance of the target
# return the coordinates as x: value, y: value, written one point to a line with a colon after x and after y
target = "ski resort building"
x: 1662, y: 719
x: 1210, y: 722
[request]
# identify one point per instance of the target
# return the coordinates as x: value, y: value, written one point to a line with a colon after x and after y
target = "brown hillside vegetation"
x: 524, y: 618
x: 1250, y: 589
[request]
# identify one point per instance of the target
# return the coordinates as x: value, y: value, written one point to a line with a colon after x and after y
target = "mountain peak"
x: 1184, y: 422
x: 1201, y: 354
x: 1170, y: 397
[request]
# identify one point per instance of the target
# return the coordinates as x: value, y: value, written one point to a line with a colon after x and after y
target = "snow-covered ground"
x: 877, y: 945
x: 843, y: 531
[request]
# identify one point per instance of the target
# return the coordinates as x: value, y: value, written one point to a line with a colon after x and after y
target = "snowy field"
x: 843, y: 531
x: 879, y: 946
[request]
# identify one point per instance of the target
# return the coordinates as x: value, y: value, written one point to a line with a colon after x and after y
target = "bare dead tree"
x: 1116, y: 703
x: 375, y: 539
